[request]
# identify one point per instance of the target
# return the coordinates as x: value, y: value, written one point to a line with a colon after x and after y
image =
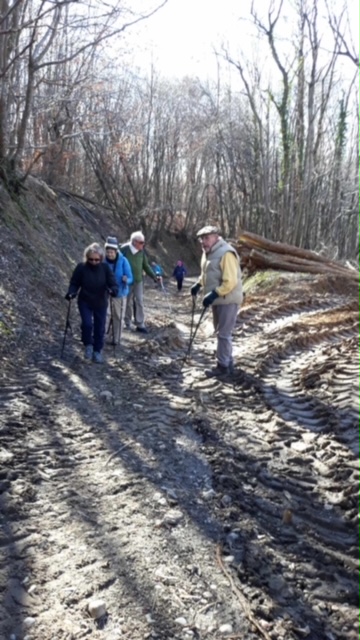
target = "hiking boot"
x: 97, y: 357
x: 217, y: 372
x: 88, y: 352
x: 127, y: 327
x: 142, y: 329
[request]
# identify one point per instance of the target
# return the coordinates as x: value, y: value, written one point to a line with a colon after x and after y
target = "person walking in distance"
x: 179, y: 274
x: 157, y: 269
x: 123, y: 276
x: 135, y: 254
x: 94, y: 280
x: 220, y: 279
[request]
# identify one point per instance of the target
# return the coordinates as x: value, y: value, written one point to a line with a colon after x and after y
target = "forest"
x: 270, y: 146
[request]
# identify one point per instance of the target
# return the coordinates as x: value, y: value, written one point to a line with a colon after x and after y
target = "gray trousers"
x: 136, y: 294
x: 224, y: 319
x: 118, y: 305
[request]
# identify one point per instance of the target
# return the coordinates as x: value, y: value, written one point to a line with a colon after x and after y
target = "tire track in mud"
x: 263, y: 464
x: 61, y: 470
x: 286, y: 427
x: 96, y: 505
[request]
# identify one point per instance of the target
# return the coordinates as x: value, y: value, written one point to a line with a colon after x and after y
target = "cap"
x: 111, y: 243
x: 206, y: 231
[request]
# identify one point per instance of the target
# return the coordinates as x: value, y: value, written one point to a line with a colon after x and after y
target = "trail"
x: 124, y: 482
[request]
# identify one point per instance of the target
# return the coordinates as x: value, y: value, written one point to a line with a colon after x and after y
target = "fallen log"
x: 259, y: 242
x: 331, y: 265
x: 263, y: 260
x: 259, y: 252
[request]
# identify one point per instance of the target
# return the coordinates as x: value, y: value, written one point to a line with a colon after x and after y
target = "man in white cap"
x: 221, y: 281
x: 135, y: 254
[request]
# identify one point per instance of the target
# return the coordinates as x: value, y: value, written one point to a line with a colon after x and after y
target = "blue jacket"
x: 121, y: 267
x: 157, y: 269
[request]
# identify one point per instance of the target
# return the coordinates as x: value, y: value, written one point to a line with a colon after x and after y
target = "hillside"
x: 190, y: 508
x: 43, y: 237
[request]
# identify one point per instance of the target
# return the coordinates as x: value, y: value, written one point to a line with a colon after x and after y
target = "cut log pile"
x: 256, y: 252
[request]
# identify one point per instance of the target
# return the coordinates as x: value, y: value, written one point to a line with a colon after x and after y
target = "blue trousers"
x: 92, y: 325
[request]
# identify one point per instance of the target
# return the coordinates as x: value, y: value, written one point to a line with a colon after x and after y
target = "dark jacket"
x: 179, y: 272
x: 94, y: 283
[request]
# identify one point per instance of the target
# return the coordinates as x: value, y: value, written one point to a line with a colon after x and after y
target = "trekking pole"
x: 165, y: 294
x: 122, y: 316
x: 112, y: 324
x: 192, y: 315
x: 67, y: 326
x: 193, y: 335
x: 109, y: 326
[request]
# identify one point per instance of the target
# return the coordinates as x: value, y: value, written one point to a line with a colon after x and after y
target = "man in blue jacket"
x: 124, y: 277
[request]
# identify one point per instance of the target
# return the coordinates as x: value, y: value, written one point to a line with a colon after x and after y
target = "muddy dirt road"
x: 181, y: 507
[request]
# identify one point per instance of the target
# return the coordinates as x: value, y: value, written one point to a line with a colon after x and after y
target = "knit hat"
x: 111, y: 243
x: 207, y: 231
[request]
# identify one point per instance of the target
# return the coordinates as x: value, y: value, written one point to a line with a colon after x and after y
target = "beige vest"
x: 212, y: 274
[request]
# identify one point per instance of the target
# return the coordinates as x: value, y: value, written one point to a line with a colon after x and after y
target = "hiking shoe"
x: 217, y: 372
x: 127, y: 327
x: 142, y: 329
x: 88, y: 352
x: 97, y: 357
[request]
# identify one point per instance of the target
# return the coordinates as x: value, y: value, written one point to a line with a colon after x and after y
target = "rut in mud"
x: 193, y: 508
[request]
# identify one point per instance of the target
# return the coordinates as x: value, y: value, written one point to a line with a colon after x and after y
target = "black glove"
x: 195, y: 289
x: 209, y: 298
x: 113, y: 293
x: 70, y: 296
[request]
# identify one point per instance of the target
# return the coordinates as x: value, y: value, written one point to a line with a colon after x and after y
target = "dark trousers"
x: 92, y: 325
x: 179, y: 283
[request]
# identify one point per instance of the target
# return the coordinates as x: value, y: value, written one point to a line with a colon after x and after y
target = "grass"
x: 262, y: 280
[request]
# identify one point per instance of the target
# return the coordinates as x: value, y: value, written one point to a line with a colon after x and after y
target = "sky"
x: 179, y: 40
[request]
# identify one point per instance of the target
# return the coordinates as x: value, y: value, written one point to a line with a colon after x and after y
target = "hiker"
x: 221, y: 280
x: 123, y: 276
x: 134, y: 252
x: 94, y: 280
x: 157, y: 269
x: 179, y: 274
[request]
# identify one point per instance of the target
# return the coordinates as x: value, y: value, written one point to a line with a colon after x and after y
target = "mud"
x: 192, y: 508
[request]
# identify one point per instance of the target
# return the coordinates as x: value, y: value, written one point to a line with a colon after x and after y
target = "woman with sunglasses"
x: 94, y: 280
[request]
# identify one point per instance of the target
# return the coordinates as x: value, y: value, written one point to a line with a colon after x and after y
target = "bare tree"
x: 31, y: 37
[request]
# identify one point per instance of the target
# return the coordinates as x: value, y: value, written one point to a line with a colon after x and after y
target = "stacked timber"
x: 257, y: 252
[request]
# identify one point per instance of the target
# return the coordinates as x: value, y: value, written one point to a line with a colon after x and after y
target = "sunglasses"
x: 94, y: 260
